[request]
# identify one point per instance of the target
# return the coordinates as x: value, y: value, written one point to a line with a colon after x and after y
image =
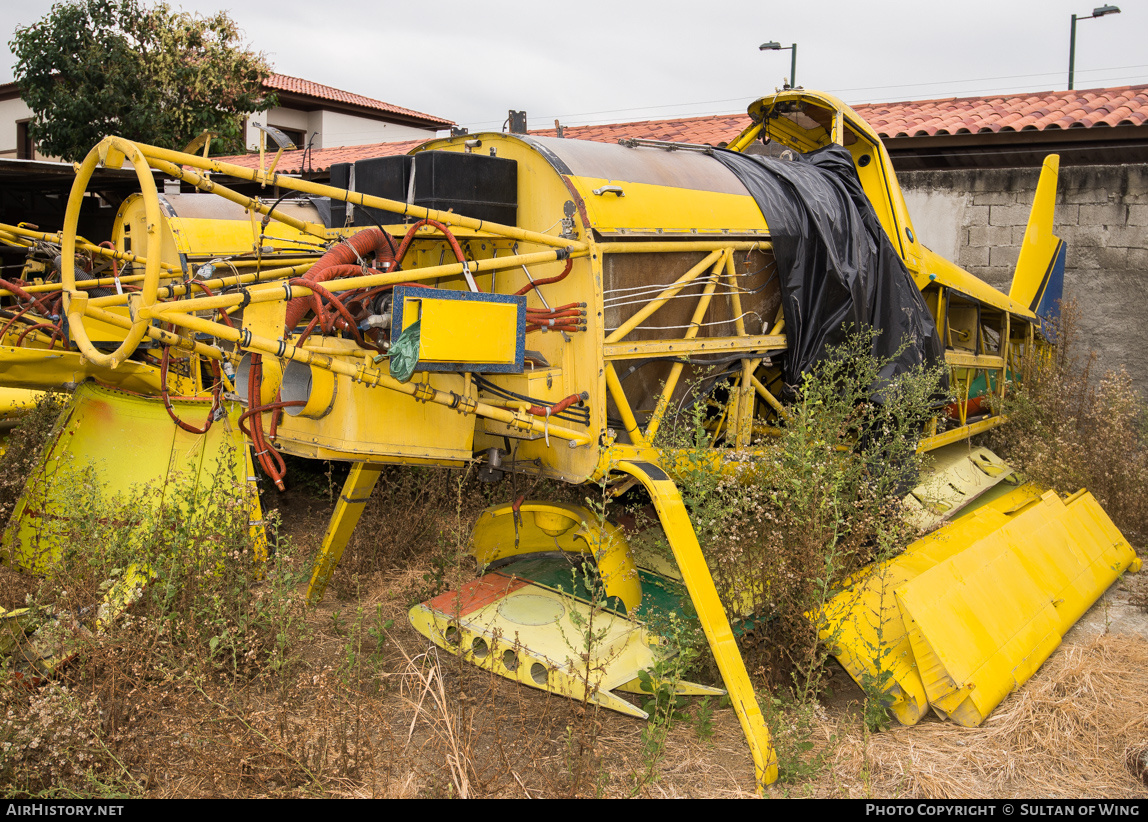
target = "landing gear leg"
x: 688, y: 553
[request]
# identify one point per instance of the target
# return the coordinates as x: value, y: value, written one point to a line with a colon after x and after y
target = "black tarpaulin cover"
x: 838, y: 269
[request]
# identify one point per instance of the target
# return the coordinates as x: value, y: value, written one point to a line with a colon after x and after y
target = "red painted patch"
x: 974, y: 408
x: 475, y: 595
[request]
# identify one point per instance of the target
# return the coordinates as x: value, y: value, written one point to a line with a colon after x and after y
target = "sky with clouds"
x: 601, y: 61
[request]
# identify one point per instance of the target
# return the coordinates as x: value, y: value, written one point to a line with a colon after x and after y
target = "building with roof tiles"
x: 323, y: 117
x: 1086, y: 127
x: 15, y: 141
x: 311, y: 114
x: 968, y: 167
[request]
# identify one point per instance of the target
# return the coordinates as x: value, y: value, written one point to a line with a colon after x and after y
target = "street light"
x: 1100, y: 11
x: 773, y: 45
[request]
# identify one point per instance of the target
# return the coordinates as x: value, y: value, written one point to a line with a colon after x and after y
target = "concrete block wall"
x: 977, y: 219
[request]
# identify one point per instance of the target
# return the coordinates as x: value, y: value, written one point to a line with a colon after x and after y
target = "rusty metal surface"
x: 631, y: 280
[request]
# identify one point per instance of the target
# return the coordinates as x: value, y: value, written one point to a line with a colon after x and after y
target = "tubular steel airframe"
x: 544, y: 305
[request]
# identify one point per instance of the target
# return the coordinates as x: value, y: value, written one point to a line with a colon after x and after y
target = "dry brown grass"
x: 344, y: 729
x: 1068, y: 733
x: 1071, y: 427
x: 356, y: 716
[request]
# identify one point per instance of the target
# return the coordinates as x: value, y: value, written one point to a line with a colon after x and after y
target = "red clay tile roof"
x: 321, y: 159
x: 1040, y: 111
x: 305, y: 88
x: 294, y: 85
x: 1127, y: 105
x: 712, y: 130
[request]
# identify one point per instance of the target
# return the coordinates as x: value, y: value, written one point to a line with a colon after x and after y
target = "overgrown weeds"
x: 205, y: 593
x: 794, y: 724
x: 408, y: 510
x: 218, y: 683
x: 168, y: 585
x: 783, y: 530
x: 1071, y: 428
x: 665, y: 707
x: 22, y: 449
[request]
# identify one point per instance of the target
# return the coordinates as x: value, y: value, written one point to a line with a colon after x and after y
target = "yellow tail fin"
x: 1039, y: 278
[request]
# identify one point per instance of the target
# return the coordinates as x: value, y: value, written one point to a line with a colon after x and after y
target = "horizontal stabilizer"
x: 545, y: 639
x: 863, y: 625
x: 982, y: 622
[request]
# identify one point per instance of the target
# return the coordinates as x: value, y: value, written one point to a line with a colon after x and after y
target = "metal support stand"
x: 356, y: 492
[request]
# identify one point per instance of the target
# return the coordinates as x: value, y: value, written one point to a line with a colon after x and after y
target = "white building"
x: 15, y: 115
x: 308, y: 113
x: 327, y: 117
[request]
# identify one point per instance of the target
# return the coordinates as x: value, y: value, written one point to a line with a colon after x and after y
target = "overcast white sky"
x: 595, y: 61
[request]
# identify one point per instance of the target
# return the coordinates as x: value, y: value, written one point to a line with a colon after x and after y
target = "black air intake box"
x: 378, y: 176
x: 473, y: 185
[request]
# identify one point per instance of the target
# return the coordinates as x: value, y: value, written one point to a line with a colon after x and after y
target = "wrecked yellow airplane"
x: 541, y: 305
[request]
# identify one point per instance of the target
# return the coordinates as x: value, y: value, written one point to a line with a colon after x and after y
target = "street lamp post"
x: 773, y: 45
x: 1100, y: 11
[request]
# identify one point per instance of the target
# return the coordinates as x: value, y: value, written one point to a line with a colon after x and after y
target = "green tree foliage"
x: 96, y: 67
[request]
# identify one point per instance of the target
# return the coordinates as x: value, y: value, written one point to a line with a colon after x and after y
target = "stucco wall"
x: 339, y: 129
x: 11, y: 112
x: 977, y: 219
x: 334, y: 129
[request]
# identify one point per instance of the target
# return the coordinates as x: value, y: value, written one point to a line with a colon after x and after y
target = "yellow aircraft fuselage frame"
x: 660, y: 250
